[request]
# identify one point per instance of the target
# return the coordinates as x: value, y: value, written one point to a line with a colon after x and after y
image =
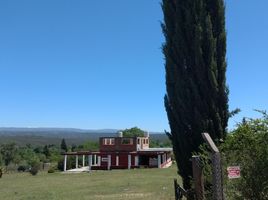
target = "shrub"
x: 34, y: 169
x: 12, y: 167
x: 51, y: 170
x: 247, y: 147
x: 60, y: 165
x: 22, y: 168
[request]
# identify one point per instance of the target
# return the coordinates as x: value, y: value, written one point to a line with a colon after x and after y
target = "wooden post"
x: 198, y: 178
x: 176, y: 189
x: 217, y: 176
x: 179, y: 191
x: 216, y: 168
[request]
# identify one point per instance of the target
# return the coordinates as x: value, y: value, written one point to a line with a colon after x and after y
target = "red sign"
x: 233, y: 172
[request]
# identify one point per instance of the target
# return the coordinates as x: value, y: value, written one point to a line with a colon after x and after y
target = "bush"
x: 22, y: 168
x: 51, y: 170
x: 34, y: 170
x: 12, y: 167
x: 247, y: 147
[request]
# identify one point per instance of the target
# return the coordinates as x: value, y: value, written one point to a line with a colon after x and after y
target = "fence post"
x: 176, y: 189
x: 198, y: 178
x: 179, y: 191
x: 216, y: 168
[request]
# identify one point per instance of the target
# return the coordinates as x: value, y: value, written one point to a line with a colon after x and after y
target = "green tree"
x: 27, y: 154
x: 133, y: 132
x: 9, y: 152
x: 197, y: 96
x: 90, y: 145
x: 63, y: 145
x: 73, y: 148
x: 46, y: 151
x: 247, y: 146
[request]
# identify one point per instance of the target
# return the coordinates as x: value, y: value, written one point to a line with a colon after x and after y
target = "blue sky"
x: 98, y: 64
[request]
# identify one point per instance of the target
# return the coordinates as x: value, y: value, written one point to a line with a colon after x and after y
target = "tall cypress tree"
x: 63, y: 145
x: 197, y: 95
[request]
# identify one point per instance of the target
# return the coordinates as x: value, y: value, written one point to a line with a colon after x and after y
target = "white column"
x: 95, y: 159
x: 76, y: 161
x: 117, y: 160
x: 136, y: 160
x: 109, y: 162
x: 99, y: 161
x: 65, y: 163
x: 159, y: 161
x: 83, y: 160
x: 129, y: 161
x: 89, y: 162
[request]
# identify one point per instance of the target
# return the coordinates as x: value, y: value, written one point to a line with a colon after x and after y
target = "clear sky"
x: 98, y: 64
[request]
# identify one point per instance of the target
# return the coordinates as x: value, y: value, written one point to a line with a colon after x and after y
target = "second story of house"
x: 123, y: 144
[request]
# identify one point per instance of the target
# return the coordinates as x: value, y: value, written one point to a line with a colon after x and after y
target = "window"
x: 127, y: 141
x: 138, y: 140
x: 108, y: 141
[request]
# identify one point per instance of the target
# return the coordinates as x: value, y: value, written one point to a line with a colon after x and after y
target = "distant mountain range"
x: 54, y: 130
x: 41, y: 136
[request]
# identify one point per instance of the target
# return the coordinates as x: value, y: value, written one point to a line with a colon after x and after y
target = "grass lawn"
x: 149, y: 184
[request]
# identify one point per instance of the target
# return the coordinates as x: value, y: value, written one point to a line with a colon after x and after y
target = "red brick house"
x: 123, y: 153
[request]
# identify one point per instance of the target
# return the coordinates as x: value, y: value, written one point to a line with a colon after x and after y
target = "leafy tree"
x: 46, y: 151
x: 133, y: 132
x: 158, y: 143
x: 197, y: 96
x: 247, y: 146
x: 63, y: 145
x: 27, y: 154
x: 38, y: 149
x: 90, y: 145
x: 9, y: 152
x: 73, y: 148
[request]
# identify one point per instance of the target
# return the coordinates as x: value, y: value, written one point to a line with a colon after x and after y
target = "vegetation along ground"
x: 150, y: 184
